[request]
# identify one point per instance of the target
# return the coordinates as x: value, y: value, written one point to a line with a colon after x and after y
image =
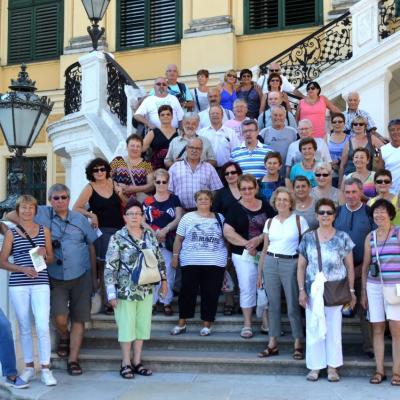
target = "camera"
x: 374, y: 270
x: 56, y: 244
x: 59, y: 262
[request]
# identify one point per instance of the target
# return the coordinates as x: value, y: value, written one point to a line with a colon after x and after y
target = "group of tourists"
x: 220, y: 184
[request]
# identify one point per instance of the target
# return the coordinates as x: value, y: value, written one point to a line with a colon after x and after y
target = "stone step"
x: 241, y: 362
x: 222, y: 323
x: 217, y: 341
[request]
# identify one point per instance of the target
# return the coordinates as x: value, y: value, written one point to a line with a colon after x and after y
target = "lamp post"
x: 95, y: 10
x: 22, y: 116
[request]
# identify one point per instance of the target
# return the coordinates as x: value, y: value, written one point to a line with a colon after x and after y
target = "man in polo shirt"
x: 73, y: 272
x: 391, y: 154
x: 190, y: 175
x: 177, y: 147
x: 223, y: 139
x: 251, y: 153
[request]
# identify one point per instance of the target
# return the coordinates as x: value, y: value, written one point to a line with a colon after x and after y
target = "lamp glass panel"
x: 6, y: 124
x: 38, y: 127
x: 24, y: 120
x: 95, y: 8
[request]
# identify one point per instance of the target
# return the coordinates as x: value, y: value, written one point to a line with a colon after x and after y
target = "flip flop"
x: 269, y: 352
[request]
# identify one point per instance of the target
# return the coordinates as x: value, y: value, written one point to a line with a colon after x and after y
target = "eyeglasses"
x: 311, y: 88
x: 194, y: 148
x: 227, y: 173
x: 383, y: 181
x: 161, y: 182
x: 100, y: 169
x: 325, y: 212
x: 324, y: 175
x: 273, y: 70
x: 56, y: 198
x: 247, y: 188
x: 161, y: 84
x: 337, y: 121
x: 358, y: 124
x: 275, y: 80
x: 134, y: 214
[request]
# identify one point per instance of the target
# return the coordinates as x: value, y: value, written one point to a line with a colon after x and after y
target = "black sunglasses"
x: 161, y: 182
x: 383, y: 181
x: 324, y: 175
x: 56, y: 198
x: 100, y: 169
x: 227, y: 173
x: 325, y: 212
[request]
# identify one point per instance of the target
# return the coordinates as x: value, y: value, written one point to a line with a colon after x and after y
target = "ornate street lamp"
x: 95, y: 10
x: 22, y: 116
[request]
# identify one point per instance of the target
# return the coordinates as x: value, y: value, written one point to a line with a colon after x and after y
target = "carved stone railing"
x: 389, y: 17
x: 307, y: 59
x: 117, y: 78
x: 73, y: 88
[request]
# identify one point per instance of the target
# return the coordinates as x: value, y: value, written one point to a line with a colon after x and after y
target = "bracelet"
x: 352, y: 291
x: 175, y: 254
x: 301, y: 289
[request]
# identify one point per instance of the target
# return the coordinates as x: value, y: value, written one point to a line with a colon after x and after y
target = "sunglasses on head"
x: 161, y: 182
x: 383, y: 181
x: 325, y: 212
x: 56, y: 198
x: 358, y: 124
x: 99, y: 169
x: 324, y: 175
x: 227, y: 173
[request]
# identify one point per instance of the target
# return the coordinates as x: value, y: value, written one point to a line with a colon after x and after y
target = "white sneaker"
x: 48, y: 378
x: 28, y: 374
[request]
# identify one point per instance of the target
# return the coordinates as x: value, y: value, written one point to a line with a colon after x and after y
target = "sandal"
x: 395, y: 380
x: 313, y: 375
x: 377, y: 378
x: 126, y: 372
x: 205, y: 331
x: 264, y: 331
x: 63, y: 348
x: 298, y: 354
x: 108, y: 310
x: 269, y: 352
x: 73, y: 368
x: 168, y: 310
x: 246, y: 332
x: 333, y: 375
x: 140, y: 370
x: 177, y: 330
x: 228, y: 310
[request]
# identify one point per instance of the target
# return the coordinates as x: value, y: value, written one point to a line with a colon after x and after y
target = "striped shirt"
x: 251, y: 161
x: 203, y: 242
x: 389, y: 257
x: 20, y: 252
x: 184, y: 182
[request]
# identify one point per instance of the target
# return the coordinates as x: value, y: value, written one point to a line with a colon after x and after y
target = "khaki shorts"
x: 134, y: 319
x: 72, y: 297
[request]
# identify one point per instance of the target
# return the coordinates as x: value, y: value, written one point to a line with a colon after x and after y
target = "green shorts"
x: 133, y: 319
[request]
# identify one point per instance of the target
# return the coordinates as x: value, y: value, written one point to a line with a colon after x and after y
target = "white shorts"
x: 379, y: 310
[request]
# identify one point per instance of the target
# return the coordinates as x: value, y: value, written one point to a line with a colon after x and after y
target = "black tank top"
x: 108, y: 210
x: 160, y: 146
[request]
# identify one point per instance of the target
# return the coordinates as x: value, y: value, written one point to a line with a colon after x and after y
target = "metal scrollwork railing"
x: 307, y: 59
x: 117, y: 78
x: 389, y: 17
x: 73, y: 88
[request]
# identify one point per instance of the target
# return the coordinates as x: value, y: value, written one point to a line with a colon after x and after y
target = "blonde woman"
x: 228, y: 89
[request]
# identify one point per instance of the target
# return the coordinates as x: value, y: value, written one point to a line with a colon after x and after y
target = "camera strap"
x: 374, y: 236
x: 27, y: 236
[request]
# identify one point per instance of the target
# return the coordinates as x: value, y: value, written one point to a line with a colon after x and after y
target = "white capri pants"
x: 379, y: 310
x: 35, y: 298
x: 170, y: 280
x: 247, y: 273
x: 326, y: 352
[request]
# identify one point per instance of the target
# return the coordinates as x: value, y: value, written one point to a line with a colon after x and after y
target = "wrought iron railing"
x: 307, y: 59
x: 116, y: 97
x: 389, y: 17
x: 73, y: 88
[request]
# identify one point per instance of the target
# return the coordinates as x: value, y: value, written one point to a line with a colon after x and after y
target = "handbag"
x: 336, y: 293
x: 389, y: 291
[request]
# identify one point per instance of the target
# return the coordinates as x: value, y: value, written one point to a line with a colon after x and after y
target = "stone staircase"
x: 224, y: 351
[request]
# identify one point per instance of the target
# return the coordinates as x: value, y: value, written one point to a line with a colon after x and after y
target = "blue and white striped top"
x: 20, y: 252
x: 251, y: 161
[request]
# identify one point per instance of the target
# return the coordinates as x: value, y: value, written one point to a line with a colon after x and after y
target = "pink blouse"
x: 316, y: 114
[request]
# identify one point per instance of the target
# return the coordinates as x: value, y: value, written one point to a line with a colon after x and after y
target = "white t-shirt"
x: 391, y: 157
x: 205, y: 117
x: 223, y: 141
x: 284, y: 236
x: 150, y: 105
x: 203, y: 242
x: 294, y: 156
x: 286, y: 85
x: 202, y: 99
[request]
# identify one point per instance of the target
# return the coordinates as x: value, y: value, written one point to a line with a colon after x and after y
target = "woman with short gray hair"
x: 324, y: 188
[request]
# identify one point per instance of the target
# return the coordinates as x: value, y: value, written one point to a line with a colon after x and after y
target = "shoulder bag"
x: 336, y: 293
x: 389, y: 291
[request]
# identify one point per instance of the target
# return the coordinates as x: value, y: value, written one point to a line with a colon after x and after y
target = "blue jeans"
x: 7, y: 352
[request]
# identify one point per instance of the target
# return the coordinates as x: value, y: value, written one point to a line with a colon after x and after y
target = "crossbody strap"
x: 318, y: 250
x: 197, y: 99
x: 378, y: 261
x: 26, y: 235
x: 181, y: 152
